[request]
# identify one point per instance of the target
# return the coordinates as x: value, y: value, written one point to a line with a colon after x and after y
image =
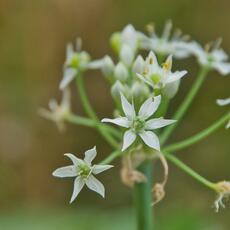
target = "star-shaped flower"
x: 57, y: 113
x: 84, y: 172
x: 214, y: 57
x: 76, y: 61
x: 140, y: 124
x: 166, y: 44
x: 159, y: 77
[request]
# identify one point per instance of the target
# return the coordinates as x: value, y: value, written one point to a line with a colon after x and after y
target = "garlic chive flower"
x: 140, y: 124
x: 166, y: 44
x: 84, y: 172
x: 223, y: 102
x: 57, y: 113
x: 213, y: 57
x: 76, y: 61
x: 159, y: 77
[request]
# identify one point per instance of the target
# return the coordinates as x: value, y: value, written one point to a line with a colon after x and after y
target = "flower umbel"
x: 84, y: 172
x: 57, y: 113
x: 138, y: 124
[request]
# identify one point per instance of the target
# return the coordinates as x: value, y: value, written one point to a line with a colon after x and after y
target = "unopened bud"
x: 121, y: 73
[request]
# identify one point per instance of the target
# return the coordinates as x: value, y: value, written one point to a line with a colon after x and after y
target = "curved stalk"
x: 190, y: 171
x: 185, y: 104
x: 92, y: 114
x: 198, y: 137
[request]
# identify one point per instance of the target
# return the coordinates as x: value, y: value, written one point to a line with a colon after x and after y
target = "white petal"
x: 67, y: 171
x: 127, y: 108
x: 78, y: 185
x: 126, y: 55
x: 69, y: 75
x: 95, y: 185
x: 221, y: 67
x: 228, y: 125
x: 96, y: 64
x: 138, y: 65
x: 121, y: 121
x: 152, y: 59
x: 223, y: 102
x: 90, y: 155
x: 149, y: 107
x: 66, y: 98
x: 46, y: 114
x: 100, y: 168
x: 74, y: 159
x: 158, y: 123
x: 175, y: 76
x: 150, y: 139
x: 53, y: 105
x: 145, y: 79
x: 128, y: 139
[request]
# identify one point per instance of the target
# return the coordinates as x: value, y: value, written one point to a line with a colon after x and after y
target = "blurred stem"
x: 186, y: 103
x: 78, y: 120
x: 190, y: 171
x: 111, y: 157
x: 200, y: 136
x: 143, y: 198
x: 89, y: 110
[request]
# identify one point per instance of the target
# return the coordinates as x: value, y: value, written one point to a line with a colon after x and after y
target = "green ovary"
x: 138, y: 124
x: 84, y: 170
x: 75, y: 61
x: 156, y: 78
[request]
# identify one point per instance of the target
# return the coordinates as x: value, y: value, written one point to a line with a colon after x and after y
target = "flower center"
x: 138, y: 124
x: 156, y: 78
x: 84, y: 170
x: 75, y: 61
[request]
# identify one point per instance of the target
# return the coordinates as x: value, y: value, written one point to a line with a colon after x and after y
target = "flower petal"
x: 69, y: 75
x: 74, y: 159
x: 100, y: 168
x: 127, y: 108
x: 175, y: 76
x: 149, y: 107
x: 121, y: 121
x: 128, y: 139
x: 157, y: 123
x: 150, y: 139
x: 78, y: 185
x: 222, y: 67
x: 95, y: 185
x: 223, y: 102
x: 67, y: 171
x: 145, y: 79
x: 90, y: 155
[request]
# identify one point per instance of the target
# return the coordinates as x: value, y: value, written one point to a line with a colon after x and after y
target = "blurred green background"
x: 33, y: 35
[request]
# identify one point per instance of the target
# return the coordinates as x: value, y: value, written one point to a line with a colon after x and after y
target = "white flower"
x: 76, y: 61
x: 57, y: 113
x: 158, y: 77
x: 105, y: 64
x: 121, y: 72
x: 167, y: 44
x: 214, y: 58
x: 84, y: 172
x: 223, y: 102
x: 139, y: 125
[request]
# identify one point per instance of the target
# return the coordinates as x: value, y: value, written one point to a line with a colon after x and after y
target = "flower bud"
x: 127, y: 55
x: 116, y: 89
x: 121, y: 73
x: 107, y: 66
x: 115, y: 42
x: 171, y: 89
x: 138, y: 65
x: 139, y: 90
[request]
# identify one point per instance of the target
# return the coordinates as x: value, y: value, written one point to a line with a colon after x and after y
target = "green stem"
x: 190, y: 171
x: 111, y: 157
x: 185, y: 104
x: 198, y: 137
x: 143, y: 198
x: 92, y: 114
x: 78, y: 120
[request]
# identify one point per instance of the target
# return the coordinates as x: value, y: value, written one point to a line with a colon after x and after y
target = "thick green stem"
x: 92, y: 114
x: 198, y: 137
x: 185, y: 104
x: 190, y: 171
x: 143, y: 198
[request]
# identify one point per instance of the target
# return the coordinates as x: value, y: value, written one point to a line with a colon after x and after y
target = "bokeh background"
x: 33, y: 35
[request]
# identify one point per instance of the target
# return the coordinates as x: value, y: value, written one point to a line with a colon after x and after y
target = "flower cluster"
x: 142, y: 82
